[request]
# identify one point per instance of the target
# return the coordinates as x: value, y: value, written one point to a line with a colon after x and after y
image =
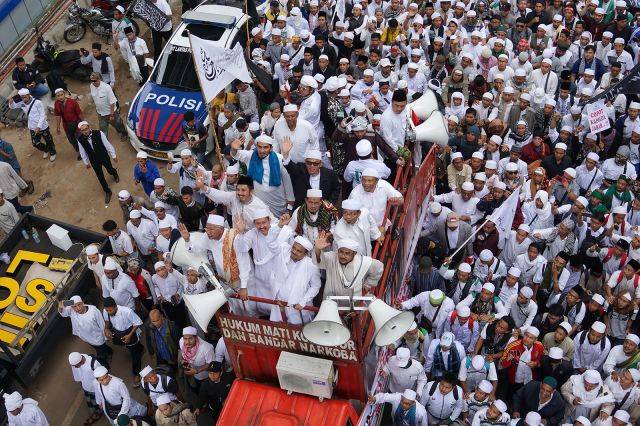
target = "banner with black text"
x: 149, y: 13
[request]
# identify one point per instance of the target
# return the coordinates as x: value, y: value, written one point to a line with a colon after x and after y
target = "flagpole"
x: 212, y: 121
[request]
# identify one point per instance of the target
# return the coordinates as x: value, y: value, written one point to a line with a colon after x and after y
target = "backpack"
x: 470, y: 322
x: 636, y: 279
x: 163, y: 379
x: 487, y: 365
x: 603, y: 341
x: 432, y: 390
x: 609, y: 255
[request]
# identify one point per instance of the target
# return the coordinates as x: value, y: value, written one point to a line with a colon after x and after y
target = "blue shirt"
x: 13, y: 160
x: 146, y: 179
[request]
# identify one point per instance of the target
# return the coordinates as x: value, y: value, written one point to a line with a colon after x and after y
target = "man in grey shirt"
x: 8, y: 215
x: 100, y: 63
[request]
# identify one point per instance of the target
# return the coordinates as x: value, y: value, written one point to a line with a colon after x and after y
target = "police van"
x: 155, y: 117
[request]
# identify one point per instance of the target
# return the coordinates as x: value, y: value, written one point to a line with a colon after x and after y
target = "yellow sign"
x: 16, y: 309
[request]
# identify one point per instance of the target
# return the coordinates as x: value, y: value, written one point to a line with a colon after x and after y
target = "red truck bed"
x: 256, y: 404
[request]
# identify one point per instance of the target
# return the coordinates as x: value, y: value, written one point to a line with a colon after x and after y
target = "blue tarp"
x: 6, y: 7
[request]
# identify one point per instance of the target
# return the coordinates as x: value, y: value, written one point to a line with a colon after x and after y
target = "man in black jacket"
x: 533, y: 394
x: 212, y: 394
x: 311, y: 175
x: 162, y: 337
x: 556, y: 366
x: 26, y: 76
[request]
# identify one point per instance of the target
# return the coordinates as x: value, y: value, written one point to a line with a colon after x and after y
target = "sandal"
x: 30, y: 187
x: 92, y: 419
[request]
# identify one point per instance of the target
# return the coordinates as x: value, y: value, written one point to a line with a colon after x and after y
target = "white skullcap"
x: 370, y: 172
x: 593, y: 156
x: 634, y: 105
x: 351, y: 204
x: 570, y: 171
x: 409, y: 394
x: 622, y: 415
x: 447, y: 339
x: 91, y: 249
x: 142, y: 155
x: 511, y: 167
x: 215, y: 219
x: 82, y: 123
x: 401, y: 84
x: 123, y: 195
x: 619, y: 210
x: 532, y: 331
x: 591, y: 376
x: 495, y: 138
x: 632, y: 337
x: 583, y: 201
x: 526, y: 96
x: 561, y: 145
x: 477, y: 362
x: 500, y: 405
x: 348, y: 35
x: 618, y: 40
x: 608, y: 34
x: 556, y: 352
x: 265, y: 139
x: 74, y: 358
x: 368, y: 72
x: 163, y: 399
x: 363, y: 148
x: 467, y: 186
x: 284, y: 57
x: 233, y: 170
x: 255, y: 31
x: 520, y: 73
x: 164, y: 223
x: 260, y: 213
x: 313, y: 154
x: 565, y: 326
x: 491, y: 164
x: 599, y: 300
x: 463, y: 310
x: 314, y: 193
x: 110, y: 264
x: 308, y: 81
x: 509, y: 89
x: 348, y: 244
x: 514, y: 272
x: 100, y: 372
x: 290, y: 108
x: 485, y: 386
x: 583, y: 421
x: 477, y: 155
x: 276, y: 32
x: 526, y: 292
x: 120, y: 9
x: 456, y: 155
x: 500, y: 185
x: 434, y: 207
x: 599, y: 327
x: 159, y: 265
x: 635, y: 374
x: 186, y: 153
x: 158, y: 182
x: 146, y: 371
x: 489, y: 287
x: 480, y: 176
x: 159, y: 205
x: 135, y: 214
x: 403, y: 354
x: 189, y: 331
x: 533, y: 418
x: 486, y: 255
x: 586, y: 92
x: 23, y: 92
x: 304, y: 242
x: 77, y: 299
x: 464, y: 267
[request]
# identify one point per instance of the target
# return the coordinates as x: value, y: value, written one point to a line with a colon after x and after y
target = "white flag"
x: 340, y: 9
x: 503, y: 215
x: 216, y: 66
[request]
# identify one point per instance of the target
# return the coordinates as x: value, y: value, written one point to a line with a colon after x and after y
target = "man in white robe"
x: 585, y: 394
x: 374, y: 193
x: 297, y: 278
x: 82, y: 366
x: 23, y: 411
x: 113, y: 396
x: 401, y: 406
x: 404, y: 372
x: 87, y: 323
x: 591, y: 348
x: 516, y: 244
x: 348, y: 273
x: 292, y: 127
x: 218, y: 244
x: 118, y: 285
x: 358, y: 225
x: 144, y: 232
x: 271, y: 179
x: 188, y: 169
x: 622, y: 356
x: 311, y: 208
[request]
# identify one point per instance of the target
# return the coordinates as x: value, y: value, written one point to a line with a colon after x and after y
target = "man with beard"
x: 522, y: 308
x: 591, y: 348
x: 485, y: 306
x: 623, y: 357
x: 625, y: 390
x: 495, y: 414
x: 541, y: 397
x: 453, y: 235
x: 294, y: 135
x: 612, y: 168
x: 310, y: 175
x: 357, y: 224
x: 517, y: 243
x: 522, y: 359
x: 459, y: 282
x: 585, y: 394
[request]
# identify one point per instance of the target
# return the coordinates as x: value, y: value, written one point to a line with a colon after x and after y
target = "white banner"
x: 217, y: 67
x: 340, y: 9
x: 503, y: 215
x: 598, y: 118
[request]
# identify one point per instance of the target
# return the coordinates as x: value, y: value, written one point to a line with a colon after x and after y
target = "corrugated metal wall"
x: 18, y: 17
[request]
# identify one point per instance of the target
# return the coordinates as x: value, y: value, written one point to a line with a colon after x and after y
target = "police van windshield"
x: 176, y: 69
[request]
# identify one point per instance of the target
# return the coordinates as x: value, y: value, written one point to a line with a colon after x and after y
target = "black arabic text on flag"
x: 149, y: 13
x: 629, y: 84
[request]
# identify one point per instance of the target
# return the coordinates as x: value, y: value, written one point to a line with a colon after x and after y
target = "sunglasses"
x: 313, y: 163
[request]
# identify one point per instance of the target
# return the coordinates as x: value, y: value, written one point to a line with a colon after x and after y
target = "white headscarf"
x: 460, y: 110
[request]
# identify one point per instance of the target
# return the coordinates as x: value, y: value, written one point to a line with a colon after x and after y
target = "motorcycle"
x: 64, y: 63
x: 99, y: 21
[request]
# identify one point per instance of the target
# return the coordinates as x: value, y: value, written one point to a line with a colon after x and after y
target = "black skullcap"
x: 96, y: 46
x: 128, y: 30
x: 623, y: 244
x: 215, y: 367
x: 245, y: 180
x: 109, y: 302
x: 399, y: 96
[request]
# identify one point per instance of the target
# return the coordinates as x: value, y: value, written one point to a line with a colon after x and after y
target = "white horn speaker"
x: 424, y: 106
x: 204, y: 306
x: 391, y: 324
x: 327, y: 328
x: 181, y: 257
x: 434, y: 129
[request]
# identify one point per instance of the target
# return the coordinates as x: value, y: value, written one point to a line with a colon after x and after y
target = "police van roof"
x: 220, y: 19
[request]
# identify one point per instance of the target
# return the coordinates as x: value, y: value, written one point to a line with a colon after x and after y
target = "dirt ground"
x: 77, y: 198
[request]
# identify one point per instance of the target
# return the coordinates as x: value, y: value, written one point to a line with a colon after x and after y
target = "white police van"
x: 154, y: 122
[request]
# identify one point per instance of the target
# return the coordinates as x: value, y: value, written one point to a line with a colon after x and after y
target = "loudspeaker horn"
x: 327, y: 328
x: 391, y: 324
x: 181, y: 257
x: 435, y: 129
x: 424, y: 106
x: 204, y: 306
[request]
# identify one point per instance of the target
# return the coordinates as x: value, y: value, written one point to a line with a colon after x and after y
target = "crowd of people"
x: 538, y: 326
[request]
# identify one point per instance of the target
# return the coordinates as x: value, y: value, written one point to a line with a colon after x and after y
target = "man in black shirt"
x: 25, y: 75
x: 556, y: 163
x: 212, y: 394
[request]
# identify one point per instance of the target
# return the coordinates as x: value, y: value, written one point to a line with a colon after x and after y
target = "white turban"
x: 349, y: 244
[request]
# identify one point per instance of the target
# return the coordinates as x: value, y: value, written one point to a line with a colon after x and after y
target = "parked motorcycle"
x: 65, y: 63
x: 97, y: 20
